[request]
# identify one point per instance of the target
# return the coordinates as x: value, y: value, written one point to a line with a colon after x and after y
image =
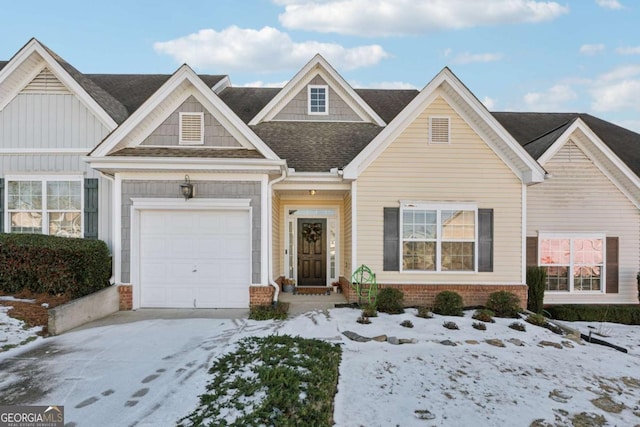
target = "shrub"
x: 54, y: 265
x: 269, y: 311
x: 536, y: 319
x: 626, y: 314
x: 484, y: 315
x: 448, y: 303
x: 407, y: 324
x: 536, y: 281
x: 424, y: 312
x: 450, y: 325
x: 389, y: 300
x: 480, y: 326
x: 504, y: 304
x: 369, y: 310
x: 518, y: 326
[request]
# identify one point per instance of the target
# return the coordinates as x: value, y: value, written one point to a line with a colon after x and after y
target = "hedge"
x: 626, y: 314
x: 54, y: 265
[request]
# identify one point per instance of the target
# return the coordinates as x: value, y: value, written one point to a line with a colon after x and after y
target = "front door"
x: 312, y: 257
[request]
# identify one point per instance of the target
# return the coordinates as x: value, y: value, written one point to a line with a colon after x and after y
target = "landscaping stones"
x: 550, y: 344
x: 559, y: 396
x: 423, y: 414
x: 448, y: 343
x: 607, y: 404
x: 495, y: 342
x: 516, y: 342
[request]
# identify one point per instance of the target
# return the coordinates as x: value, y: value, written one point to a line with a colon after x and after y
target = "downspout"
x: 276, y: 288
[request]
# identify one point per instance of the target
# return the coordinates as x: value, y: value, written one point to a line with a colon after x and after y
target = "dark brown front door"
x: 312, y: 257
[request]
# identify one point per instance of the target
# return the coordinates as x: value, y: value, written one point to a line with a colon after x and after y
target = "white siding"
x: 49, y: 121
x: 466, y: 170
x: 45, y: 163
x: 580, y: 198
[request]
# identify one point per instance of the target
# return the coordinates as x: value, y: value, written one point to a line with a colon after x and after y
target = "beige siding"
x: 347, y: 239
x: 297, y: 108
x: 580, y: 198
x: 466, y: 170
x: 167, y: 134
x: 278, y: 263
x: 49, y: 121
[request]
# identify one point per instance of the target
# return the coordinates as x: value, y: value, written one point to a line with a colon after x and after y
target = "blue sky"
x: 514, y: 55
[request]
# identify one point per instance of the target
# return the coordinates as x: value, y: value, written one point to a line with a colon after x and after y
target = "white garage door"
x: 195, y: 259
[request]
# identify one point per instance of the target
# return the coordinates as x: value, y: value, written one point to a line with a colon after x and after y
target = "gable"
x: 297, y: 108
x: 570, y: 153
x: 168, y: 133
x: 45, y: 82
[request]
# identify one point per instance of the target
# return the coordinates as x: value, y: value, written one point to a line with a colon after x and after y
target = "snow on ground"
x: 13, y: 332
x: 151, y: 372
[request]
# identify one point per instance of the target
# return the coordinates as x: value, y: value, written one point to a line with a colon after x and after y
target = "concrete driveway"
x: 147, y: 372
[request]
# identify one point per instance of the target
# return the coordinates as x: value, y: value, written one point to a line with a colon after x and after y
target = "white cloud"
x: 553, y: 99
x: 489, y: 103
x: 628, y: 50
x: 591, y: 49
x: 624, y: 72
x: 468, y: 58
x: 609, y: 4
x: 616, y: 90
x: 384, y: 18
x: 447, y: 51
x: 264, y: 50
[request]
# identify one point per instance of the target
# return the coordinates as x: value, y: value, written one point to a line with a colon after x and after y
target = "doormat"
x: 311, y: 290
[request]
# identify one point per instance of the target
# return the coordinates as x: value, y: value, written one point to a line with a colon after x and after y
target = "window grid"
x: 574, y: 264
x: 318, y: 100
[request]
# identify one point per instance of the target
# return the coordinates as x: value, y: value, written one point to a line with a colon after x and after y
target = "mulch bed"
x: 34, y: 314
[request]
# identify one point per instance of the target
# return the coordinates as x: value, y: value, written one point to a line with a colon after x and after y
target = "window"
x: 45, y: 206
x: 191, y: 128
x: 318, y: 99
x: 439, y: 130
x: 574, y: 263
x: 438, y: 238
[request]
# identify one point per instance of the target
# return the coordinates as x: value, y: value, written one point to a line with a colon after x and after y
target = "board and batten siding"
x: 167, y: 134
x: 466, y: 170
x: 579, y: 198
x: 298, y: 107
x: 49, y: 121
x: 204, y: 189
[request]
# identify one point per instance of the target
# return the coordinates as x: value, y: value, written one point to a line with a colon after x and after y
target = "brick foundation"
x: 260, y: 295
x: 424, y: 295
x: 125, y: 293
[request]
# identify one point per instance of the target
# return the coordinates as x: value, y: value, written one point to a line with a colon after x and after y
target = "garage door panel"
x: 201, y: 256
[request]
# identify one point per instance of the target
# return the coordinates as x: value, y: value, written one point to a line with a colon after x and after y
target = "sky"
x: 514, y: 55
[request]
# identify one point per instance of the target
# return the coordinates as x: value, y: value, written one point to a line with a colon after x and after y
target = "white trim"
x: 529, y: 171
x: 354, y: 227
x: 197, y: 176
x: 117, y: 231
x: 445, y: 283
x: 34, y: 46
x: 202, y: 93
x: 181, y: 116
x: 178, y: 163
x: 224, y: 83
x: 523, y: 226
x: 571, y: 236
x: 144, y: 204
x: 292, y: 220
x: 438, y: 207
x: 265, y: 213
x: 317, y: 66
x: 326, y: 100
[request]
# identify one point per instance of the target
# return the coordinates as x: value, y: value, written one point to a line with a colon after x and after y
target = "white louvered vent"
x: 439, y: 130
x: 45, y: 82
x: 191, y: 128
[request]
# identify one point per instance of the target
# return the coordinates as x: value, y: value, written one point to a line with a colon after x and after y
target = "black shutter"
x: 1, y: 205
x: 612, y: 265
x: 532, y: 251
x: 485, y: 240
x: 91, y: 208
x: 391, y: 250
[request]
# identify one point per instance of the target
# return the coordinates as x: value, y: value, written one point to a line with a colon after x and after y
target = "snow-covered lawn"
x: 13, y: 332
x: 151, y: 372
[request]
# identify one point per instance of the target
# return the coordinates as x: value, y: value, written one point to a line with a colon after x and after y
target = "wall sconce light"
x: 312, y: 192
x: 186, y: 188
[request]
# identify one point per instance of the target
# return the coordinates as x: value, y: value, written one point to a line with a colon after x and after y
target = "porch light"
x: 186, y: 188
x: 312, y: 192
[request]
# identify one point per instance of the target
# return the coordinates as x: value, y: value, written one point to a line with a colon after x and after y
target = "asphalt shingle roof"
x: 188, y: 152
x: 536, y: 132
x: 317, y: 146
x: 246, y: 102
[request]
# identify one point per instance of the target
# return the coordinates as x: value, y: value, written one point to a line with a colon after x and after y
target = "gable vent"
x: 191, y: 128
x: 45, y: 82
x: 439, y: 130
